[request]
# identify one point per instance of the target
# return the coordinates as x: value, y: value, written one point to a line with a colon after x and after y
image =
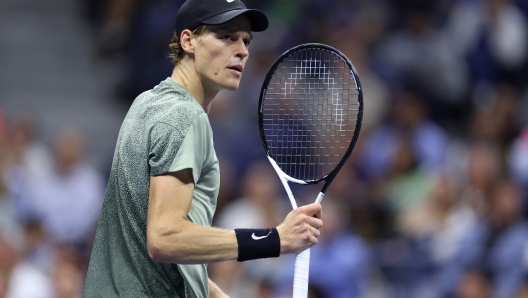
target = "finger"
x: 314, y: 222
x: 315, y: 232
x: 313, y: 241
x: 309, y: 239
x: 319, y: 214
x: 310, y: 209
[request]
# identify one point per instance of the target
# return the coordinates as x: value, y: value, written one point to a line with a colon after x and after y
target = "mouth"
x: 236, y: 68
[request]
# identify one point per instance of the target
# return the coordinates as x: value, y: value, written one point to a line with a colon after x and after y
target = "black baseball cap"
x: 194, y: 13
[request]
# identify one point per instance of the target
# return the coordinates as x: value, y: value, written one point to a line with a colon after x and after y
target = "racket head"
x: 299, y: 95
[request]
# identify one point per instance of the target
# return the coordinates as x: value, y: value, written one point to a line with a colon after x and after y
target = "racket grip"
x: 301, y: 274
x: 319, y: 198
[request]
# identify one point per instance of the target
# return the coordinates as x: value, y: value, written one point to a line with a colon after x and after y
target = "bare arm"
x: 215, y: 291
x: 173, y: 239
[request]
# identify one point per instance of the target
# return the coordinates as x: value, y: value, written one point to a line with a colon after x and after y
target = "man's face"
x: 221, y: 53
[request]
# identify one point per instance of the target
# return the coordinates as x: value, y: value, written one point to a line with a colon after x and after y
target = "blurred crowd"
x: 432, y: 203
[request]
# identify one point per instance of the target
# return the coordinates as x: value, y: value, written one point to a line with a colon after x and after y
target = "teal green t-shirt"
x: 165, y: 130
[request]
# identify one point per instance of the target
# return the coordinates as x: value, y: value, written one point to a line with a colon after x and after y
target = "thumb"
x: 312, y: 209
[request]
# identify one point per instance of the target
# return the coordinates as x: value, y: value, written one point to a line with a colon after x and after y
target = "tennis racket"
x: 310, y: 112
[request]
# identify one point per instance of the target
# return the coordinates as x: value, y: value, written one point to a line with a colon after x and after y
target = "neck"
x: 185, y: 75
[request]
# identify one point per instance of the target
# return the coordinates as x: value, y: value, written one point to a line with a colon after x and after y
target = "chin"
x: 232, y: 86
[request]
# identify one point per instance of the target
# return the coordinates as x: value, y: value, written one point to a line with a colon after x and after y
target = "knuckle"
x: 304, y: 219
x: 293, y: 213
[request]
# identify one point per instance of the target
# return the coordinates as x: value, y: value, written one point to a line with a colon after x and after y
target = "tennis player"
x: 154, y: 235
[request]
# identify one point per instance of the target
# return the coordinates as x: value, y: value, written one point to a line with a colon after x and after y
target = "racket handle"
x: 301, y: 274
x: 302, y: 267
x: 319, y: 198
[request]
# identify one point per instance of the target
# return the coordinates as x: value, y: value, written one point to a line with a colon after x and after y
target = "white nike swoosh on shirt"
x: 229, y: 1
x: 253, y: 235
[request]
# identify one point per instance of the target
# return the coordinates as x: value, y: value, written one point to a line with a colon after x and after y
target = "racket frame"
x: 331, y: 175
x: 302, y: 260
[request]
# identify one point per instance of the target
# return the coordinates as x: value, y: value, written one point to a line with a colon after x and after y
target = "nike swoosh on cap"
x: 253, y: 235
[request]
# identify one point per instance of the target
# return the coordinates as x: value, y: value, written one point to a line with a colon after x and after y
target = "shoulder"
x: 167, y: 103
x: 174, y: 106
x: 201, y: 122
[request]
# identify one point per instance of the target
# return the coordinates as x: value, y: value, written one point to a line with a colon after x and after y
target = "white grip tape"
x: 301, y: 274
x: 319, y: 198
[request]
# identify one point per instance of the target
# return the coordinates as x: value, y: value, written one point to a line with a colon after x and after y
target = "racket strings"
x: 309, y: 113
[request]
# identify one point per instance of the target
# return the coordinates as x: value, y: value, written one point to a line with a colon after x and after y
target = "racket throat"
x: 285, y: 179
x: 289, y: 192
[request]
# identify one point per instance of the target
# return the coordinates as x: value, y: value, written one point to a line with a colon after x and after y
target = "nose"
x: 242, y: 50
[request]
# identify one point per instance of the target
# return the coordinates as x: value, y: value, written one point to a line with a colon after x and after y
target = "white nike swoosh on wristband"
x: 258, y: 238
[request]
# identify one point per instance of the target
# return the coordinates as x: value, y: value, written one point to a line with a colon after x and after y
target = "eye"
x: 226, y: 37
x: 247, y: 42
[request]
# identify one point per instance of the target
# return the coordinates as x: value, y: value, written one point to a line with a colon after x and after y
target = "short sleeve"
x: 194, y: 149
x: 165, y: 140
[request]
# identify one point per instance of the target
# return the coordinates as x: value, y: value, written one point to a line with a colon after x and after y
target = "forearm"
x: 215, y: 291
x: 173, y: 239
x: 189, y: 243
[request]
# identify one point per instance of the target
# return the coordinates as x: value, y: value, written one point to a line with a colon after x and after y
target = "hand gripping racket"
x: 310, y: 112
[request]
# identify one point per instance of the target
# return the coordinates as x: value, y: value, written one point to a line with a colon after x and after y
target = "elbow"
x: 162, y: 247
x: 155, y: 249
x: 158, y: 250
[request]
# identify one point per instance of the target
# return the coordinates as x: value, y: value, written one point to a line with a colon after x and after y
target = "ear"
x: 187, y: 41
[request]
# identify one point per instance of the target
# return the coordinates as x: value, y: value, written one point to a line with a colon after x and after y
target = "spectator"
x: 523, y: 291
x: 23, y: 280
x: 408, y: 182
x: 67, y: 276
x: 496, y: 244
x: 474, y: 284
x: 493, y: 120
x: 421, y: 53
x: 518, y: 163
x: 260, y: 204
x: 29, y: 162
x: 483, y: 169
x: 39, y: 250
x: 409, y: 120
x: 442, y: 222
x: 69, y: 199
x: 494, y: 35
x: 232, y: 278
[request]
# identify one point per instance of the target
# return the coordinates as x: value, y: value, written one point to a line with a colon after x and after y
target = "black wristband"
x: 257, y: 244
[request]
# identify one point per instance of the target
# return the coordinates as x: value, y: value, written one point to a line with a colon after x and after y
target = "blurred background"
x: 432, y: 203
